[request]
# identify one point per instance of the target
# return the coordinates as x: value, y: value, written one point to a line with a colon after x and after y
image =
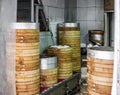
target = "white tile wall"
x: 83, y: 27
x: 90, y: 15
x: 46, y: 10
x: 82, y: 13
x: 91, y: 25
x: 59, y: 13
x: 62, y: 14
x: 99, y: 14
x: 99, y: 3
x: 83, y: 30
x: 56, y: 14
x: 53, y: 3
x: 100, y: 25
x: 54, y: 10
x: 45, y: 2
x: 60, y: 3
x: 82, y: 3
x: 91, y: 3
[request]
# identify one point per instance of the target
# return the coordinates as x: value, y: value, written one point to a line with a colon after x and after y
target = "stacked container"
x: 48, y: 73
x: 64, y: 56
x: 69, y: 34
x: 100, y: 70
x: 27, y: 59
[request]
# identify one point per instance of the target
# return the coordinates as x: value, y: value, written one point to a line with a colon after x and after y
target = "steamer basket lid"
x: 60, y: 46
x: 101, y: 52
x: 68, y: 25
x: 23, y: 25
x: 71, y: 24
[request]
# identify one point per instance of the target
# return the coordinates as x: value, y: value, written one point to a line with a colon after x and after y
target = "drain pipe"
x: 32, y: 10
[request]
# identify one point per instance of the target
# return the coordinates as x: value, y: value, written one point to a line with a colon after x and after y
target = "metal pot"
x: 96, y: 36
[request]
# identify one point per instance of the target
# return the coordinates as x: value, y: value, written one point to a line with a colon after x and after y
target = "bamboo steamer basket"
x: 69, y: 34
x: 27, y: 58
x: 64, y: 56
x: 99, y: 88
x: 90, y: 92
x: 48, y: 67
x: 100, y: 70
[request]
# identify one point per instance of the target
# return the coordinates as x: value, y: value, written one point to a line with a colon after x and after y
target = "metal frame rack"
x: 67, y: 87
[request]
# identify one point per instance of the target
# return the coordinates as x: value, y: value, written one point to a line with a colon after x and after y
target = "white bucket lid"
x: 101, y: 52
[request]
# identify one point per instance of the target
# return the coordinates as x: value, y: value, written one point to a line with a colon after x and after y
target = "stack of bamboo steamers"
x: 49, y: 71
x: 53, y: 68
x: 27, y: 59
x: 100, y: 70
x: 64, y: 57
x: 69, y: 34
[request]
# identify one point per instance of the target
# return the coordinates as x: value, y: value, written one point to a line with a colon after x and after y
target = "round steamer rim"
x: 69, y: 25
x: 96, y: 31
x: 98, y: 52
x: 60, y: 47
x: 23, y: 25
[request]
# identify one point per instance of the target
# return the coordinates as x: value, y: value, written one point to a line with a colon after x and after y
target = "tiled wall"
x: 70, y: 10
x: 90, y: 15
x: 54, y: 10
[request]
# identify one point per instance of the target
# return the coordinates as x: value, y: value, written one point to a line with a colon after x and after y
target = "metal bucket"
x: 100, y: 70
x: 96, y: 36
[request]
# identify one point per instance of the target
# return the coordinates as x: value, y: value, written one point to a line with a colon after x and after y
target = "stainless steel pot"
x: 96, y: 36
